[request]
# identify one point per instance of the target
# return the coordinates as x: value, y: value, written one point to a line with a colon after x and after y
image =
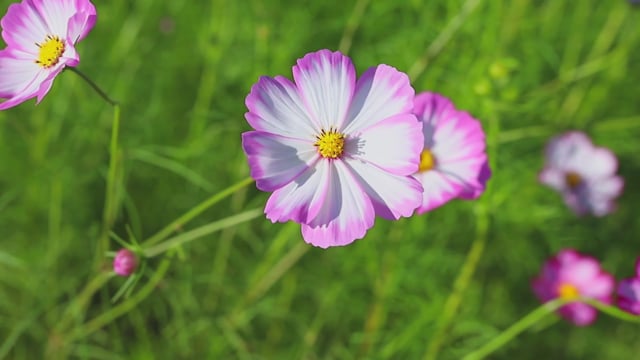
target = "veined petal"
x: 438, y: 189
x: 82, y: 22
x: 276, y: 160
x: 301, y: 199
x: 326, y: 81
x: 393, y: 144
x: 55, y: 14
x: 458, y: 136
x: 393, y: 196
x: 276, y: 107
x: 23, y: 27
x: 20, y: 79
x: 381, y: 92
x: 430, y: 107
x: 346, y: 214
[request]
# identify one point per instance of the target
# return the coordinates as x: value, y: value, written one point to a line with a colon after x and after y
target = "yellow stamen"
x: 330, y: 144
x: 573, y: 180
x: 568, y: 291
x: 427, y: 161
x: 50, y: 51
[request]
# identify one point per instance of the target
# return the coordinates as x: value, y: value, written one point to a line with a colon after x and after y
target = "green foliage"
x: 181, y: 70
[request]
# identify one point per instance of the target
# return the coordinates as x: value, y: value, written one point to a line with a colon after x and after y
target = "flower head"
x: 584, y: 174
x: 41, y: 37
x: 453, y: 163
x: 570, y: 275
x: 629, y: 292
x: 125, y: 262
x: 334, y: 151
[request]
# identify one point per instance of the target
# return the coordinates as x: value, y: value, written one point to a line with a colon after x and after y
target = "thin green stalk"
x: 514, y: 330
x: 197, y: 210
x: 352, y: 25
x: 460, y: 285
x: 201, y: 231
x: 93, y: 85
x: 80, y: 302
x: 443, y: 38
x: 124, y: 307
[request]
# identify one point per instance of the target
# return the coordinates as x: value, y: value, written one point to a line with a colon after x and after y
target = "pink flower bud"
x: 125, y: 262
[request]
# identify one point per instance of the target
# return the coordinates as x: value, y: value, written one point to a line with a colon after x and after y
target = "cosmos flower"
x: 334, y: 151
x: 453, y: 163
x: 570, y: 275
x: 125, y: 262
x: 41, y: 37
x: 629, y: 292
x: 584, y: 174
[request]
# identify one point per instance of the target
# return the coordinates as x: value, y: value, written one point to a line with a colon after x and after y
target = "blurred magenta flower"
x: 41, y: 37
x: 583, y: 173
x: 453, y: 163
x: 125, y: 262
x: 570, y: 275
x: 629, y: 292
x: 334, y: 151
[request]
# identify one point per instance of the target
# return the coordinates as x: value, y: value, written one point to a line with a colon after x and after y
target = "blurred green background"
x: 527, y: 69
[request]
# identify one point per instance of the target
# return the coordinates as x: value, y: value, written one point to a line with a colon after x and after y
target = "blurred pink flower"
x: 125, y: 262
x: 570, y: 275
x: 334, y: 151
x: 453, y: 163
x: 629, y: 292
x: 584, y: 174
x: 41, y: 37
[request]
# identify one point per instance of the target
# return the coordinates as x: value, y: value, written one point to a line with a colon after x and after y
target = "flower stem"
x: 197, y: 210
x: 514, y: 330
x: 93, y: 85
x: 201, y: 231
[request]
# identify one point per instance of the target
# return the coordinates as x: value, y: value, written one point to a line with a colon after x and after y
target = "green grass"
x: 527, y: 69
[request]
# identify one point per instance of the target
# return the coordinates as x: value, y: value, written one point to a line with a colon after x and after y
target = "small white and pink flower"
x: 629, y: 292
x: 335, y: 151
x: 454, y: 162
x: 583, y: 173
x: 41, y: 36
x: 570, y: 275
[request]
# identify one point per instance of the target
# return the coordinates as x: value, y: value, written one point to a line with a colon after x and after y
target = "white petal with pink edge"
x: 393, y: 144
x: 438, y: 190
x: 393, y: 196
x: 381, y: 92
x: 276, y: 107
x: 275, y: 160
x: 301, y: 199
x: 326, y: 81
x: 20, y: 79
x: 346, y: 214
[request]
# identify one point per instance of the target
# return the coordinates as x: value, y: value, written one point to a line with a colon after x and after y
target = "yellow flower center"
x: 568, y: 291
x: 573, y: 180
x: 330, y: 144
x: 50, y: 51
x: 427, y: 161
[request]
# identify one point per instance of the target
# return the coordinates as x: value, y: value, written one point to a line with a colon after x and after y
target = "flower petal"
x: 276, y: 160
x: 598, y: 163
x: 393, y: 196
x: 82, y: 22
x: 438, y: 189
x: 381, y: 92
x: 393, y: 144
x: 301, y: 199
x: 326, y: 82
x: 23, y: 28
x: 347, y: 212
x: 276, y: 107
x: 22, y: 79
x: 430, y: 107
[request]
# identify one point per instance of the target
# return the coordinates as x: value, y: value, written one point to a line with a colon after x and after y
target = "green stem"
x: 124, y: 307
x: 201, y: 231
x: 197, y: 210
x: 514, y: 330
x: 93, y: 85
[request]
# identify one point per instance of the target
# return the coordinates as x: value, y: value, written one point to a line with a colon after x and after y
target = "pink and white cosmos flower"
x: 570, y: 275
x: 453, y: 163
x: 334, y: 151
x: 41, y: 37
x: 629, y: 292
x: 583, y: 173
